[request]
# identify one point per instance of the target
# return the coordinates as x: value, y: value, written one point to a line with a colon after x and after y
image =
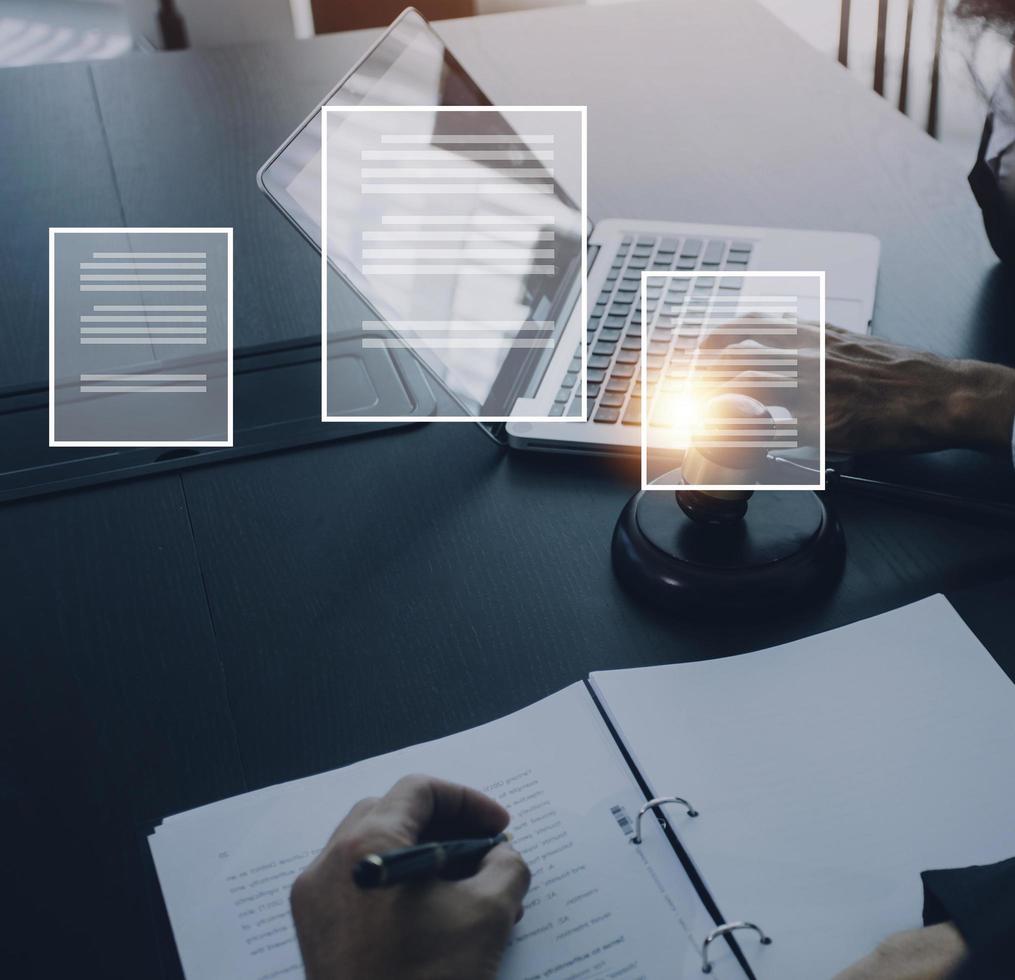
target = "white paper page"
x: 599, y: 906
x: 829, y: 773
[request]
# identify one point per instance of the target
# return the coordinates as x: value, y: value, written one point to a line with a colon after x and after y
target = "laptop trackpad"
x: 845, y: 313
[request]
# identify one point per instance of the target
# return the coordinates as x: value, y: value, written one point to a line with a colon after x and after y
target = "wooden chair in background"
x: 328, y: 15
x: 348, y: 15
x: 933, y: 109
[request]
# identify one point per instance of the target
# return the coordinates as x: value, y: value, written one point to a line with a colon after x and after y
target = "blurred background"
x: 928, y: 65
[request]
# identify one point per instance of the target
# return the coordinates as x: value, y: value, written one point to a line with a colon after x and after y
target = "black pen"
x: 423, y: 860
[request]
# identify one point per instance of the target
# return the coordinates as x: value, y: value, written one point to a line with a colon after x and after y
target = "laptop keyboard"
x: 614, y: 325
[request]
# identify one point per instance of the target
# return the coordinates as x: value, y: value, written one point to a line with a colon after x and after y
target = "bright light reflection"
x: 681, y: 413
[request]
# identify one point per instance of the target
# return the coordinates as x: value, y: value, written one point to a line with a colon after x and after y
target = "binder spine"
x: 721, y: 930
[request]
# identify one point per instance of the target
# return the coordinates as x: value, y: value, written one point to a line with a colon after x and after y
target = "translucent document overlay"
x: 140, y: 338
x: 463, y: 229
x: 734, y: 381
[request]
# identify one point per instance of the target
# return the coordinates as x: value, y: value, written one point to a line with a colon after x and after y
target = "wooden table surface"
x: 179, y: 639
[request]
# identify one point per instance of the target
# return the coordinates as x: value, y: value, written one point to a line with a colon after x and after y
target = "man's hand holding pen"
x: 436, y: 928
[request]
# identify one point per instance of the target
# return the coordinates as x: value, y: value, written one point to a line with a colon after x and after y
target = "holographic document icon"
x: 463, y: 229
x: 140, y: 337
x: 732, y: 381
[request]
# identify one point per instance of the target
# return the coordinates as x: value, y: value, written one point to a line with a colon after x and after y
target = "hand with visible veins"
x: 879, y: 396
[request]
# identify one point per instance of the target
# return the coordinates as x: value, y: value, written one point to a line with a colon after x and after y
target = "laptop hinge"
x: 497, y: 431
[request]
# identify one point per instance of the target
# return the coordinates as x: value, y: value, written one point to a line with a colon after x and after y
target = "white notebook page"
x: 599, y: 906
x: 829, y: 773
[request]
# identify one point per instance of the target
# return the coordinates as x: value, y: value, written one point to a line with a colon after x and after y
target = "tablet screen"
x: 408, y: 66
x: 502, y: 240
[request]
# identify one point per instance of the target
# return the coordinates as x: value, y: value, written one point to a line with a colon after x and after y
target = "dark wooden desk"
x: 172, y: 641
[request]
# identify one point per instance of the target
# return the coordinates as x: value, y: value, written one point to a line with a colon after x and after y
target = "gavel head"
x: 726, y: 451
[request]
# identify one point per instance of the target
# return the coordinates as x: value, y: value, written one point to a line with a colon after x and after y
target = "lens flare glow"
x: 681, y: 412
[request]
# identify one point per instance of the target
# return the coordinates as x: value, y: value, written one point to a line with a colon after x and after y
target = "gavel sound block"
x: 713, y: 550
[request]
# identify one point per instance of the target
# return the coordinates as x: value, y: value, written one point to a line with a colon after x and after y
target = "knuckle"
x: 494, y: 906
x: 370, y: 835
x: 353, y: 845
x: 413, y: 783
x: 300, y: 895
x: 361, y: 809
x: 519, y: 867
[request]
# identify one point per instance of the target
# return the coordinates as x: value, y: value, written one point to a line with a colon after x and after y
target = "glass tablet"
x: 410, y: 66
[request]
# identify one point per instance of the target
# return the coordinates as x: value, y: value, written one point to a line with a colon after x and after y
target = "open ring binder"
x: 722, y: 930
x: 718, y: 931
x: 654, y: 805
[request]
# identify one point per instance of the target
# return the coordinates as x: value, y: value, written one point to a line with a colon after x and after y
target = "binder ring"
x: 654, y: 804
x: 722, y: 930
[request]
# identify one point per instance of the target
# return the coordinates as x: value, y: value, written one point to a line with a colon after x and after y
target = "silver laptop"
x: 619, y: 251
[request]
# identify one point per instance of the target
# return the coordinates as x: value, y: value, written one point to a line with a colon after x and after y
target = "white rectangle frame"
x: 583, y: 297
x: 68, y: 443
x: 643, y: 375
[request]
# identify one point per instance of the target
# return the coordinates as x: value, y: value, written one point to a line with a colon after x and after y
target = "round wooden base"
x: 788, y: 548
